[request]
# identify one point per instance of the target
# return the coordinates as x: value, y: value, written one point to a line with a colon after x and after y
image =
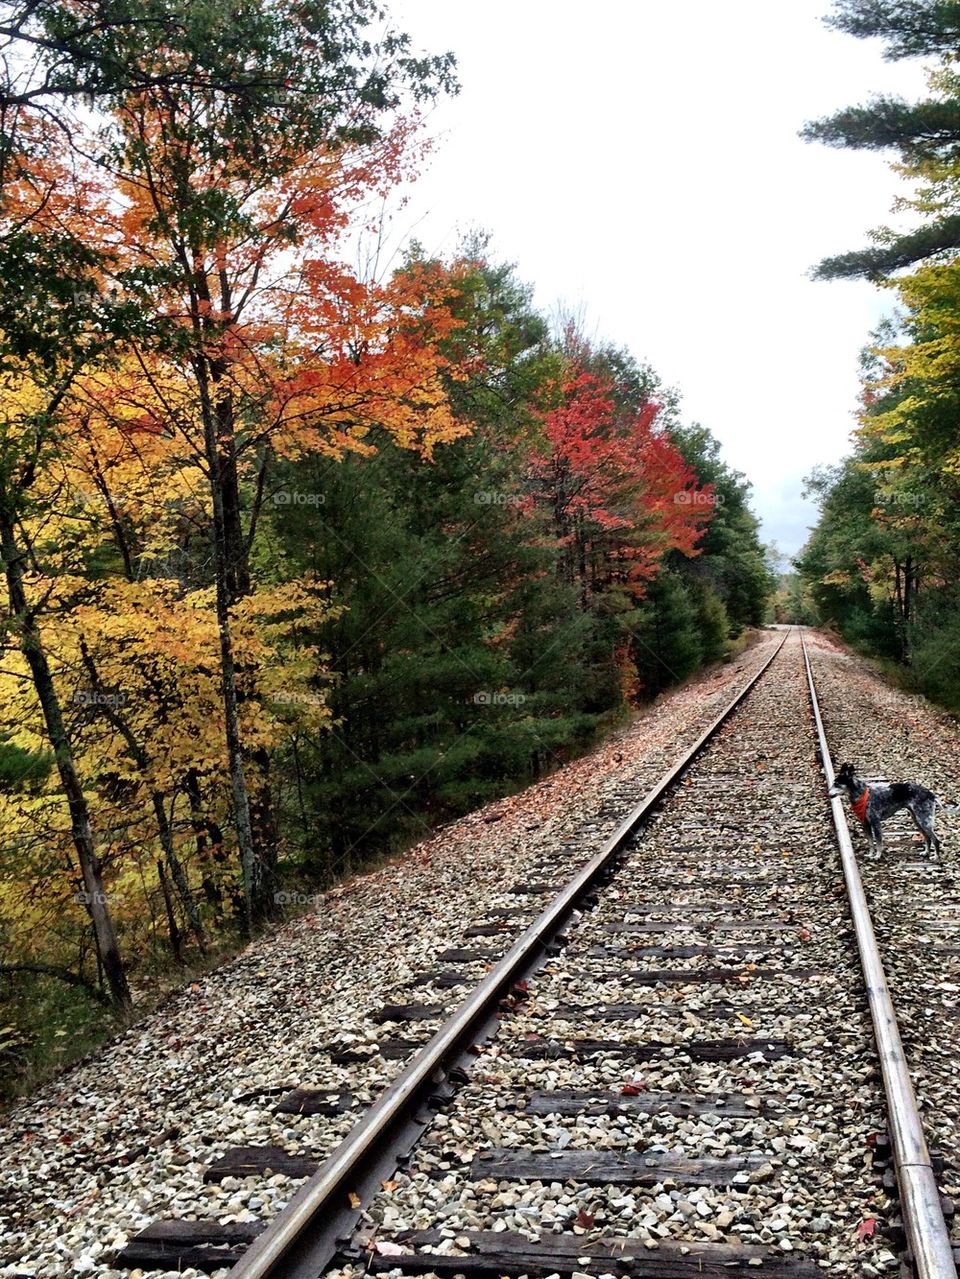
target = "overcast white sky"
x: 640, y: 159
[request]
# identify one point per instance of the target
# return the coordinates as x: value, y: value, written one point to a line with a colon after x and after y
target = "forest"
x: 300, y: 559
x: 881, y: 563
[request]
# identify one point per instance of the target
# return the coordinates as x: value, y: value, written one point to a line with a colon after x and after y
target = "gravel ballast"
x: 737, y: 874
x: 745, y: 840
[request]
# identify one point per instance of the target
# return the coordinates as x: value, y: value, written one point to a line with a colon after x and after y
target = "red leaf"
x: 585, y: 1219
x: 867, y: 1228
x: 634, y: 1088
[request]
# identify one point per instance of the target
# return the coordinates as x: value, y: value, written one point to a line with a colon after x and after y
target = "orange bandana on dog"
x: 860, y: 807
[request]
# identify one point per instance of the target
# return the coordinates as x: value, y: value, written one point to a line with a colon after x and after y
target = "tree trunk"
x: 32, y: 648
x: 184, y: 892
x: 253, y: 808
x: 238, y: 584
x: 209, y: 843
x: 175, y: 943
x: 249, y: 861
x: 901, y: 587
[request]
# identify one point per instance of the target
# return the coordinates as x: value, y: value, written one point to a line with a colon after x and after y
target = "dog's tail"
x: 947, y: 808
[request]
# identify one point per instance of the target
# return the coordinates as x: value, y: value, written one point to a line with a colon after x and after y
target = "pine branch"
x: 882, y: 261
x: 917, y: 130
x: 911, y: 28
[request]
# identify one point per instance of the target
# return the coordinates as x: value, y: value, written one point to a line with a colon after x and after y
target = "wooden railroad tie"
x: 715, y: 1010
x: 175, y: 1245
x: 490, y: 1254
x: 768, y: 925
x: 314, y: 1101
x: 707, y: 950
x: 611, y: 1167
x: 711, y: 976
x: 568, y: 1101
x: 260, y: 1161
x: 407, y: 1012
x: 697, y: 1050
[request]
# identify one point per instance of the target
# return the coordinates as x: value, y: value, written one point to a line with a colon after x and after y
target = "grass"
x: 46, y: 1026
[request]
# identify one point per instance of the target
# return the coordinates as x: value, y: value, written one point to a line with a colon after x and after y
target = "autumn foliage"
x: 618, y: 493
x: 276, y: 531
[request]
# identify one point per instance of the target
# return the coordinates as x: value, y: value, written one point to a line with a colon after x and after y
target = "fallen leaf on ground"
x: 633, y: 1089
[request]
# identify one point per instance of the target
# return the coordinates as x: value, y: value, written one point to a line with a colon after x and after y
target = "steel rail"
x: 284, y: 1248
x: 926, y: 1227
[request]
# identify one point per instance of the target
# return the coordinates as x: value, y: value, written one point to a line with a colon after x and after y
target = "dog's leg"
x: 933, y: 842
x: 924, y: 819
x: 876, y: 837
x: 930, y: 837
x: 921, y: 826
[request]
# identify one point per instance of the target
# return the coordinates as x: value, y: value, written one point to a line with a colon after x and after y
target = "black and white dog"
x: 873, y: 802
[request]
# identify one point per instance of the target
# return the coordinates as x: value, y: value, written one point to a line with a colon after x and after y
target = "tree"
x: 732, y: 560
x: 40, y: 363
x: 911, y: 28
x: 618, y: 494
x: 223, y: 180
x: 925, y: 135
x: 457, y: 660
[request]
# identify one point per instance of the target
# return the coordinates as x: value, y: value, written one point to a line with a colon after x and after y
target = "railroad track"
x: 671, y: 1072
x: 915, y: 906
